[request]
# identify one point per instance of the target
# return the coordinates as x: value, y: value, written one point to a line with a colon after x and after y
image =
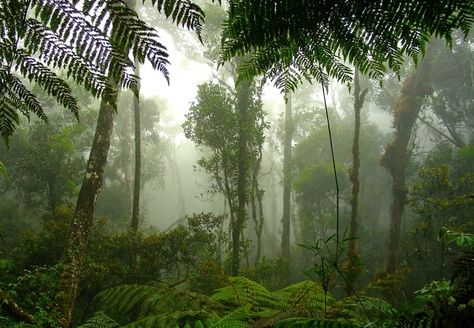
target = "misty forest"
x: 236, y: 163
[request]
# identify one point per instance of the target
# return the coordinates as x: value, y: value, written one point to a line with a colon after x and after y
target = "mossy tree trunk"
x: 353, y: 257
x: 243, y: 101
x: 414, y: 89
x: 82, y: 221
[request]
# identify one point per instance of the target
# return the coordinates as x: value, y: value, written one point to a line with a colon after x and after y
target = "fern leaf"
x: 182, y: 12
x: 313, y: 323
x: 308, y: 294
x: 100, y: 320
x: 242, y: 291
x: 51, y: 83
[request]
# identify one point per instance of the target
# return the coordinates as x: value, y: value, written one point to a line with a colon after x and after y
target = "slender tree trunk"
x: 353, y: 257
x: 74, y: 255
x: 257, y: 206
x: 126, y: 158
x: 396, y: 155
x: 138, y: 154
x: 285, y: 238
x: 243, y: 100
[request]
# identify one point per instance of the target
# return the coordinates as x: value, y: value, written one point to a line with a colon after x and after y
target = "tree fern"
x: 242, y: 291
x: 320, y: 38
x: 100, y: 320
x: 39, y: 36
x: 362, y: 309
x: 314, y: 323
x: 140, y: 300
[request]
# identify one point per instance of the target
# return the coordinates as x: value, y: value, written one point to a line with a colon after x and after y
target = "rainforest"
x: 236, y: 163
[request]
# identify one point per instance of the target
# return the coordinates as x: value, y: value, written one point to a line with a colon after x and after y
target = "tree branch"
x: 13, y: 309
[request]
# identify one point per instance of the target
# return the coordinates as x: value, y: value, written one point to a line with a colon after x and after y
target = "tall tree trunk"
x: 74, y: 254
x: 257, y: 204
x: 285, y: 238
x: 353, y: 266
x: 243, y: 100
x: 396, y: 156
x: 138, y: 153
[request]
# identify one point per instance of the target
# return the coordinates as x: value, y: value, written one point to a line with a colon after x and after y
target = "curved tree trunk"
x: 353, y: 257
x: 285, y: 238
x: 74, y: 255
x: 396, y: 155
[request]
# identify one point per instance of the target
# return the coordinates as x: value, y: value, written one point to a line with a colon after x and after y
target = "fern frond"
x: 314, y: 323
x: 151, y: 300
x: 48, y: 80
x: 242, y: 291
x: 308, y: 294
x: 362, y: 309
x: 100, y: 320
x: 53, y: 51
x: 182, y: 12
x: 135, y: 35
x: 328, y: 35
x: 175, y: 319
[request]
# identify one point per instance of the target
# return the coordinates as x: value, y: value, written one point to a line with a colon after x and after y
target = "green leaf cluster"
x: 91, y: 41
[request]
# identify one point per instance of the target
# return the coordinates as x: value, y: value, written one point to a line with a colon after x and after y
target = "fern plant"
x: 39, y: 37
x: 292, y: 40
x: 242, y: 303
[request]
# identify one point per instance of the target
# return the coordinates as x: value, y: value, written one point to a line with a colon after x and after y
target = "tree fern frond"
x: 48, y: 80
x: 100, y: 320
x: 332, y: 34
x: 314, y: 323
x: 242, y: 291
x: 11, y: 86
x: 238, y: 318
x: 308, y: 294
x: 362, y: 309
x: 59, y: 54
x: 151, y: 300
x: 134, y: 34
x: 125, y: 298
x: 182, y: 12
x: 175, y: 319
x: 8, y: 117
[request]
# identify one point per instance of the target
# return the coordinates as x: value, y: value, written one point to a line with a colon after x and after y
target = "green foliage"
x: 213, y: 123
x: 91, y: 41
x: 327, y: 36
x: 100, y: 320
x: 313, y: 323
x: 242, y: 303
x: 156, y: 306
x: 441, y: 199
x: 3, y: 170
x: 362, y: 309
x: 461, y: 239
x: 35, y: 290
